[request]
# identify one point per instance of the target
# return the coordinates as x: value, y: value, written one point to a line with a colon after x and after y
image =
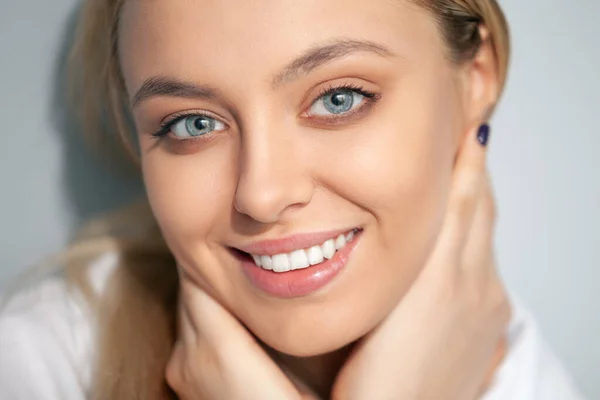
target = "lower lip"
x: 300, y: 282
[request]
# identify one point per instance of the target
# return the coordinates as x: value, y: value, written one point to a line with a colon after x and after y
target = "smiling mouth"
x: 302, y: 270
x: 303, y: 258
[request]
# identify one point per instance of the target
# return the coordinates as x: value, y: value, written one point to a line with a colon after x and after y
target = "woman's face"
x: 286, y: 123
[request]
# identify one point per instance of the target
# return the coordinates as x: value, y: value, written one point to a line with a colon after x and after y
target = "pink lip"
x: 300, y: 282
x: 291, y: 243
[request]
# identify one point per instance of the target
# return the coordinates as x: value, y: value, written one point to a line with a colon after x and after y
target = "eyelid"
x: 171, y: 120
x: 370, y: 98
x: 187, y: 113
x: 320, y: 87
x: 349, y: 82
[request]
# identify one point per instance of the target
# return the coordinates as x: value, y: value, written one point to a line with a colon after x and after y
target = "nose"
x: 273, y: 179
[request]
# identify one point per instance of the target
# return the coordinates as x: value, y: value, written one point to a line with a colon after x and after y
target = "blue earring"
x: 483, y: 134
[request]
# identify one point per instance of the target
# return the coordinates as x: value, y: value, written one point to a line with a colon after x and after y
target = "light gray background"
x: 545, y: 160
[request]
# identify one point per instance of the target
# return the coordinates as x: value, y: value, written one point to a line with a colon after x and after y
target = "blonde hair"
x: 136, y: 313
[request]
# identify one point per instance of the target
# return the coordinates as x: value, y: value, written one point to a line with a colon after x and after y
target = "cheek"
x: 398, y: 169
x: 409, y: 180
x: 189, y: 194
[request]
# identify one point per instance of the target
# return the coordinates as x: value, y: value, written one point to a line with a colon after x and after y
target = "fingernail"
x: 483, y: 134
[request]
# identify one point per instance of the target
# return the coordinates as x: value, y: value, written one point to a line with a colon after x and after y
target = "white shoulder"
x: 46, y: 337
x: 530, y: 370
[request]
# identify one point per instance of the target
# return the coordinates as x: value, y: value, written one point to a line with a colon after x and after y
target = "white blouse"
x: 46, y: 348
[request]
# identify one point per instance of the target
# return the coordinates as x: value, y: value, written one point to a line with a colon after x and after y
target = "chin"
x: 310, y: 346
x: 318, y: 334
x: 354, y: 304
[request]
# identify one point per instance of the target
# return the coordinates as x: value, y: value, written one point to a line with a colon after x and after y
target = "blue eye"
x: 337, y: 101
x: 195, y: 125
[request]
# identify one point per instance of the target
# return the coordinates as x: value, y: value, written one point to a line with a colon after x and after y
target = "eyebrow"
x: 319, y: 55
x: 165, y: 86
x: 310, y: 60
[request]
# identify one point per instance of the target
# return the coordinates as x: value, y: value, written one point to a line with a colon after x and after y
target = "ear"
x: 480, y: 82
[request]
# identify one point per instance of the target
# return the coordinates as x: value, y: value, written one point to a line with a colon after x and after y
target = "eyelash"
x: 370, y: 97
x: 166, y: 126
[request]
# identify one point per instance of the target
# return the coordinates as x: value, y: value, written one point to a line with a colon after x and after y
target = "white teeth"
x: 328, y: 249
x: 315, y: 255
x: 304, y: 258
x: 299, y: 260
x: 340, y: 242
x: 349, y: 237
x: 281, y: 263
x: 266, y: 263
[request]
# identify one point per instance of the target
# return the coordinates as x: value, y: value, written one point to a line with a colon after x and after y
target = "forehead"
x: 225, y: 40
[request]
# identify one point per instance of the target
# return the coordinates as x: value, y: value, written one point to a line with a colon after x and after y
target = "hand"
x: 441, y: 339
x: 215, y: 357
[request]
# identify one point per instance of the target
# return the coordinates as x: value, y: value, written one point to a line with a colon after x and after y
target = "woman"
x: 320, y: 221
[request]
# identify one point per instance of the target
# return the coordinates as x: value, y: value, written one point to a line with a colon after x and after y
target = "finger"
x: 186, y: 327
x: 187, y: 324
x: 174, y: 369
x: 496, y: 361
x: 208, y: 318
x: 466, y: 186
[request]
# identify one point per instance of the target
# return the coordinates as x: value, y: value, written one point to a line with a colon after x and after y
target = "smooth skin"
x: 275, y: 166
x: 443, y: 340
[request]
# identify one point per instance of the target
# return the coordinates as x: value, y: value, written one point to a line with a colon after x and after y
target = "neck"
x: 317, y: 372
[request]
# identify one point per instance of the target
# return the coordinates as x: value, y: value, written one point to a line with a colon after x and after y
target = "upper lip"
x: 291, y: 243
